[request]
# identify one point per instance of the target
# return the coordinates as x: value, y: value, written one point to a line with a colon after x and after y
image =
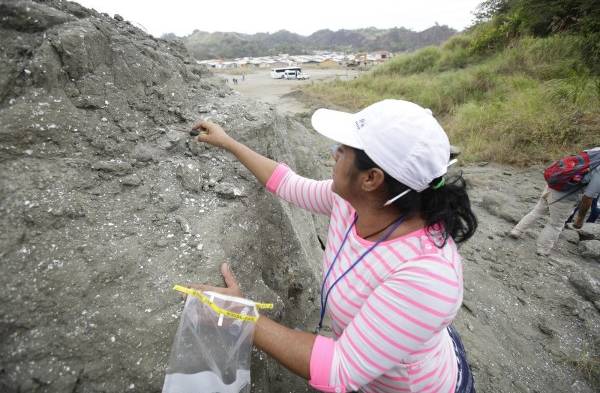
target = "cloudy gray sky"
x: 301, y: 16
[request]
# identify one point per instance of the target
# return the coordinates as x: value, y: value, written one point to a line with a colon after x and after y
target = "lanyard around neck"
x: 324, y: 300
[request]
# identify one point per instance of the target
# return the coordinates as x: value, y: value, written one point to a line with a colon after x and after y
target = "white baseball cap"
x: 401, y: 137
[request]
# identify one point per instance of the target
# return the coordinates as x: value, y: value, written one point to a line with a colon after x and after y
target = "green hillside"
x: 521, y: 86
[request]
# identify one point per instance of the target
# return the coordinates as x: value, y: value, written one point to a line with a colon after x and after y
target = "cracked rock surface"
x: 106, y: 203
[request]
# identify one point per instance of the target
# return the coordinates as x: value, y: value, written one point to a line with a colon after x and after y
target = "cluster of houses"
x: 321, y: 59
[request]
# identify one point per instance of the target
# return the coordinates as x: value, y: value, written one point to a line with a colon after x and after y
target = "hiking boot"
x: 515, y: 233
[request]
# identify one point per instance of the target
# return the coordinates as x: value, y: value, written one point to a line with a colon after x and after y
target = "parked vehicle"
x: 278, y: 73
x: 291, y: 74
x: 295, y: 74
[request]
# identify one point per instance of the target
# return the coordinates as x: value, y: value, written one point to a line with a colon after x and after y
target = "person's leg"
x: 538, y: 211
x: 570, y: 219
x: 595, y: 211
x: 559, y: 212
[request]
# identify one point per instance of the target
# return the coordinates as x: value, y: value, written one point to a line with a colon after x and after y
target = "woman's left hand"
x: 232, y: 287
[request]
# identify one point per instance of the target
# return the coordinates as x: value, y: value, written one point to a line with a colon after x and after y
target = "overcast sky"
x: 302, y: 16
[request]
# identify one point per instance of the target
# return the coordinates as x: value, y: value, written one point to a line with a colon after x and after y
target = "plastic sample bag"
x: 211, y: 350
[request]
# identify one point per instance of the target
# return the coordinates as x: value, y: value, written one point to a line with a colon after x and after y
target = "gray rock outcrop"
x: 106, y: 203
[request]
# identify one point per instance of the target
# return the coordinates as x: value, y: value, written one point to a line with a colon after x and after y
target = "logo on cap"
x: 360, y: 123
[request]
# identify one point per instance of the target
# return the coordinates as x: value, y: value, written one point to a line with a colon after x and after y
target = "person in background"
x: 559, y: 206
x: 392, y: 274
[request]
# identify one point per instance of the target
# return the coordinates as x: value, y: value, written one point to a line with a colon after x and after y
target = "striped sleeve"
x: 313, y: 195
x: 397, y: 324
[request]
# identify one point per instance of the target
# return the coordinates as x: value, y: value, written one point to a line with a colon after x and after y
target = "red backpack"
x: 567, y: 173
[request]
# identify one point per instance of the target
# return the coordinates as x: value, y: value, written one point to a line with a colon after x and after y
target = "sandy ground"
x: 259, y: 85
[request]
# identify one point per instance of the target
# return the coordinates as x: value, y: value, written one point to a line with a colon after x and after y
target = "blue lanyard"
x: 324, y: 302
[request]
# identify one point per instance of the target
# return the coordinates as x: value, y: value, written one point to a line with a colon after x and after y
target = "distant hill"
x: 203, y: 45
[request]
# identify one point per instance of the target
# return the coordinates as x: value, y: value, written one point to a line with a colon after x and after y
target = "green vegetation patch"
x: 530, y: 101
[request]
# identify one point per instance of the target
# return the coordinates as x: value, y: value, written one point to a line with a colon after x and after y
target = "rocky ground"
x: 106, y: 203
x: 530, y: 323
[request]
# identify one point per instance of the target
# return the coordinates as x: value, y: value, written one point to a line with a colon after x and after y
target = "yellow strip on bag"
x: 204, y: 299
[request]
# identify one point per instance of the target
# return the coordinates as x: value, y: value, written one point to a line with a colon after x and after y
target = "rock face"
x: 106, y: 203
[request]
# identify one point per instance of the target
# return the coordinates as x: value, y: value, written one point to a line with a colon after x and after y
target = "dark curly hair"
x: 446, y: 210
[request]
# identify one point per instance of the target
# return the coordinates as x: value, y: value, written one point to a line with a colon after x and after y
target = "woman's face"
x: 344, y: 172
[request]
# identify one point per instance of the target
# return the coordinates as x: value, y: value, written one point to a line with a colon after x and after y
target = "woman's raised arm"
x: 213, y: 134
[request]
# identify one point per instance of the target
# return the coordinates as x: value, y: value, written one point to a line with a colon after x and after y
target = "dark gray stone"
x: 590, y: 231
x: 131, y: 180
x: 498, y: 205
x: 145, y: 153
x: 590, y: 249
x: 190, y: 176
x: 570, y: 236
x: 229, y: 191
x: 587, y: 286
x: 116, y: 167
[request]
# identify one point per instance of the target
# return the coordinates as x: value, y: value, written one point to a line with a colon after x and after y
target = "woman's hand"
x: 232, y: 289
x: 211, y: 133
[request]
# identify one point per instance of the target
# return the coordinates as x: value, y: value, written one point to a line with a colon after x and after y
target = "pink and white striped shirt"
x: 389, y: 314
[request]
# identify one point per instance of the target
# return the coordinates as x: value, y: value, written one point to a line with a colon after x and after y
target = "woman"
x: 392, y: 280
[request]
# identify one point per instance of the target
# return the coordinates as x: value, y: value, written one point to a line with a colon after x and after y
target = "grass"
x: 532, y: 101
x: 587, y: 363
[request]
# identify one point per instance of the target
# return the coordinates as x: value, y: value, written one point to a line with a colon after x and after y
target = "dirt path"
x: 259, y: 85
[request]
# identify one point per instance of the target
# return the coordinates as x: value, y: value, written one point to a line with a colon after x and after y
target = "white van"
x: 295, y: 74
x: 279, y: 73
x: 291, y: 74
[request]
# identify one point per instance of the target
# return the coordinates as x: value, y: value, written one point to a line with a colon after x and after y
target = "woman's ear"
x: 373, y: 179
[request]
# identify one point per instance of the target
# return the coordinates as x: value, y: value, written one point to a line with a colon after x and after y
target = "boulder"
x: 498, y: 205
x: 587, y: 286
x: 570, y: 235
x: 590, y: 231
x: 590, y: 249
x: 27, y: 16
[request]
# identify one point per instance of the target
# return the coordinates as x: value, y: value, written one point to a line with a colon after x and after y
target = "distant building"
x: 381, y: 55
x: 323, y: 59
